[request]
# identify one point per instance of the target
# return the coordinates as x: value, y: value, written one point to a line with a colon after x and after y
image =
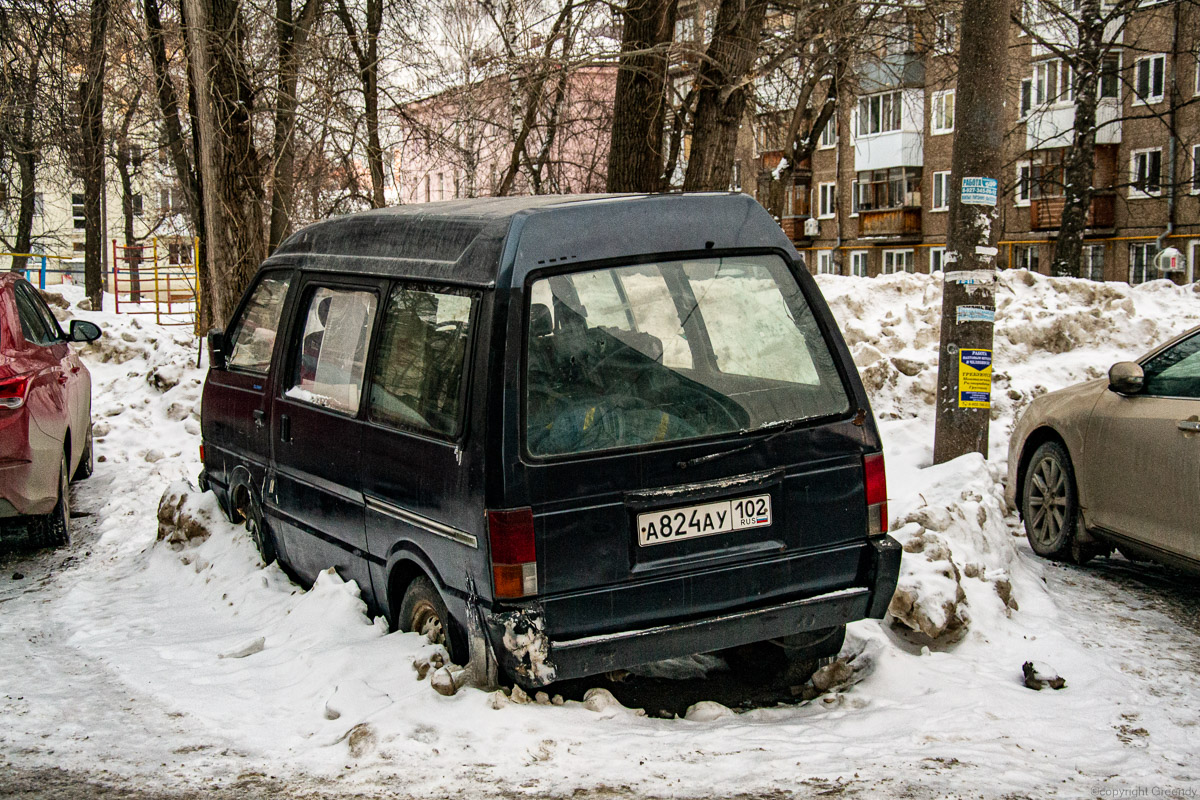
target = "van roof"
x: 463, y: 241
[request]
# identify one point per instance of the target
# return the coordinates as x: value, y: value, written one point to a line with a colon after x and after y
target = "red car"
x: 45, y: 412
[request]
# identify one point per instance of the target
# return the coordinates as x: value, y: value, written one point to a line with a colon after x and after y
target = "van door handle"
x: 260, y: 418
x: 285, y: 428
x: 1189, y: 425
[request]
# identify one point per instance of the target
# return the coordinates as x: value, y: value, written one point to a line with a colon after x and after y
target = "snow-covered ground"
x: 189, y: 664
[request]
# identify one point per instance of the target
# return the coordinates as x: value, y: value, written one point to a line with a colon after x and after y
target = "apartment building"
x: 151, y: 206
x: 874, y: 197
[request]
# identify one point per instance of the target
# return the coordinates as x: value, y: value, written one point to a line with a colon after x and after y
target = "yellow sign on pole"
x: 974, y: 378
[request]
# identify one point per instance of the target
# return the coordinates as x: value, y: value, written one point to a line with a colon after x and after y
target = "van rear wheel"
x: 423, y: 611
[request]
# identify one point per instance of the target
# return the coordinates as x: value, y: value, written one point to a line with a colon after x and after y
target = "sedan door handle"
x: 1189, y: 425
x: 62, y: 378
x: 285, y: 428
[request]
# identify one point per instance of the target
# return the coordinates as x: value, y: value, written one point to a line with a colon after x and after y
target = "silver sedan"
x: 1115, y: 462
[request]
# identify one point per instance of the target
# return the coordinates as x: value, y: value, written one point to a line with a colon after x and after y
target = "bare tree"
x: 228, y: 158
x: 635, y: 156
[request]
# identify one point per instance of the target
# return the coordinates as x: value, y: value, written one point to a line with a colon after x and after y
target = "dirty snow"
x: 185, y: 661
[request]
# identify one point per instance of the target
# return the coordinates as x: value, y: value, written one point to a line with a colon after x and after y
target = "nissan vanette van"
x: 561, y: 435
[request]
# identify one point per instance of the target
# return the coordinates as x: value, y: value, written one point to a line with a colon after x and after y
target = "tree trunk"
x: 290, y: 36
x: 635, y: 155
x: 968, y: 294
x: 724, y: 90
x: 1079, y: 161
x: 232, y: 185
x: 366, y: 55
x: 91, y: 94
x: 186, y: 169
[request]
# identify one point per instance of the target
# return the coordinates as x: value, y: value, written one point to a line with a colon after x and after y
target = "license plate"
x: 691, y: 522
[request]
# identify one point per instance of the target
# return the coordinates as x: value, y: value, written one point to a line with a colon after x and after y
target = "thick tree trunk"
x: 232, y: 185
x: 91, y: 94
x: 290, y: 36
x: 133, y: 259
x: 968, y: 293
x: 24, y: 238
x: 1079, y: 161
x: 724, y: 90
x: 635, y: 156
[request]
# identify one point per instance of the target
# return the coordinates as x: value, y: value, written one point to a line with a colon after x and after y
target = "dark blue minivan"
x: 561, y: 435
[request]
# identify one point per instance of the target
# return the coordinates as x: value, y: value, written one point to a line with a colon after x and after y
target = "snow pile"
x: 958, y: 550
x: 1050, y: 333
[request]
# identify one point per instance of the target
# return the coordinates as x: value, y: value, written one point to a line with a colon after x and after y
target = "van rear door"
x: 691, y: 442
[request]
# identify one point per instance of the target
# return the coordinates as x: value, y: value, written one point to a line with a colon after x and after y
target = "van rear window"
x: 633, y: 356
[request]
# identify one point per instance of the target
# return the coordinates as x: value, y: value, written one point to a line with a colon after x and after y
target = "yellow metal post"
x: 157, y: 316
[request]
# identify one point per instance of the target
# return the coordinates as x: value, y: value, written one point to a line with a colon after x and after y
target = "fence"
x: 37, y: 267
x: 152, y: 285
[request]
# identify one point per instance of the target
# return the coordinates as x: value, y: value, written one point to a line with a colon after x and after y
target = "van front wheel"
x: 423, y: 611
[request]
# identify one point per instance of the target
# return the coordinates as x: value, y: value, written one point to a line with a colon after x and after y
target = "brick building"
x: 874, y: 196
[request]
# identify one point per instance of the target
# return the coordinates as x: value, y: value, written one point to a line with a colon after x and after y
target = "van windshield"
x: 632, y: 356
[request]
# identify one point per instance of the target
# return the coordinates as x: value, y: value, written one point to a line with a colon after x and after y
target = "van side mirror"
x: 83, y: 331
x: 1126, y: 377
x: 218, y: 349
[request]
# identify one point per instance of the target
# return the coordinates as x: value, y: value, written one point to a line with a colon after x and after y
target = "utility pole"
x: 969, y: 289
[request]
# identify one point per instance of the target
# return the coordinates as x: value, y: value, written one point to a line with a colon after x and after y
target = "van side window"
x: 252, y: 337
x: 332, y: 357
x: 419, y: 368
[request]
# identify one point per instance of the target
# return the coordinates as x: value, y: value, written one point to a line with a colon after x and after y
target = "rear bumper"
x: 533, y: 659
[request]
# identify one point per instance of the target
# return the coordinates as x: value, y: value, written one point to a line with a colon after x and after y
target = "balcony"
x: 890, y: 222
x: 1045, y: 213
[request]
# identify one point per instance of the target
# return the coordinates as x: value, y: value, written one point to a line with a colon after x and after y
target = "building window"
x: 428, y: 187
x: 879, y: 113
x: 1051, y: 82
x: 685, y: 28
x: 1149, y: 79
x: 1196, y: 169
x: 131, y: 155
x: 135, y: 205
x: 169, y: 200
x: 1024, y: 188
x: 826, y: 200
x: 943, y: 112
x: 1027, y: 256
x: 825, y: 262
x: 858, y: 263
x: 829, y: 134
x: 1093, y: 262
x: 1141, y: 257
x: 854, y: 198
x: 39, y: 204
x: 1145, y: 173
x: 889, y: 188
x: 898, y: 261
x: 937, y: 259
x: 941, y: 191
x: 1110, y: 77
x: 1026, y: 97
x: 945, y: 33
x: 78, y: 215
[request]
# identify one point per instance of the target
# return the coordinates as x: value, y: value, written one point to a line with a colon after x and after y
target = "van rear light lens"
x: 514, y: 554
x: 876, y: 485
x: 13, y: 392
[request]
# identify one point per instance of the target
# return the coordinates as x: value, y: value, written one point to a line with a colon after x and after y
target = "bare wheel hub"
x: 425, y: 621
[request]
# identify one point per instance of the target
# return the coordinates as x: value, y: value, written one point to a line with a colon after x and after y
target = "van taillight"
x: 13, y: 392
x: 876, y: 481
x: 514, y: 554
